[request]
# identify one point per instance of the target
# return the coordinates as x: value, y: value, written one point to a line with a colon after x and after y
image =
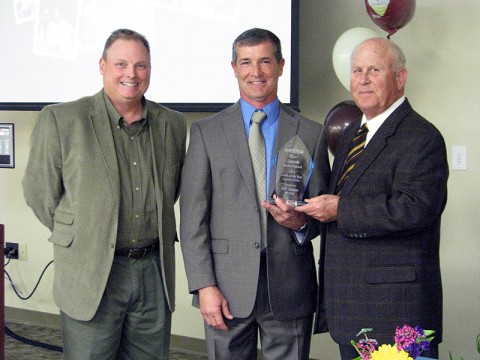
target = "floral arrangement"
x: 409, y: 344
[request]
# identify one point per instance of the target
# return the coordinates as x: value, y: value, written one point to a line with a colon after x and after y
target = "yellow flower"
x: 389, y: 352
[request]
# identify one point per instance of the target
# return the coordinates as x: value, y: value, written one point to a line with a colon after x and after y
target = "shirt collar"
x: 272, y: 110
x: 117, y: 118
x: 375, y: 123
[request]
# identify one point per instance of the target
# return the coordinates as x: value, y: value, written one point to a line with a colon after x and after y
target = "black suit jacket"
x: 380, y: 260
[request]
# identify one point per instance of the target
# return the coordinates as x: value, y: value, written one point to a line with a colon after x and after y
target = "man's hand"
x: 323, y: 208
x: 214, y: 307
x: 285, y: 214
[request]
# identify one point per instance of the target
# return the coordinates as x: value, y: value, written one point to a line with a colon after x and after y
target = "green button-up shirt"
x: 138, y: 220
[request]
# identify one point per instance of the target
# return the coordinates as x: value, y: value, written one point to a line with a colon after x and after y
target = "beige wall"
x: 443, y: 52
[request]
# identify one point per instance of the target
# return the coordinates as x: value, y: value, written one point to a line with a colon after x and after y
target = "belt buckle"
x: 133, y: 251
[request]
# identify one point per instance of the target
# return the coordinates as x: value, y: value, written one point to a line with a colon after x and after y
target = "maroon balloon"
x: 341, y: 115
x: 398, y: 14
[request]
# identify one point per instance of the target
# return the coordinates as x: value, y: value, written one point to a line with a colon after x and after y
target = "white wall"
x: 443, y: 55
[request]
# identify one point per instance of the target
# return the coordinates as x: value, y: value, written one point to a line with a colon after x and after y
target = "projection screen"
x: 51, y: 48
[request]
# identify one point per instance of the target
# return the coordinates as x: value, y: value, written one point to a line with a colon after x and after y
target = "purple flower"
x: 405, y: 336
x: 366, y: 347
x: 424, y: 345
x: 407, y: 339
x: 413, y: 350
x: 411, y: 340
x: 420, y: 331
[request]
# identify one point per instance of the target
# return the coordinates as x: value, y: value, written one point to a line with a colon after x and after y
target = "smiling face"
x: 257, y: 72
x: 374, y: 85
x: 126, y: 72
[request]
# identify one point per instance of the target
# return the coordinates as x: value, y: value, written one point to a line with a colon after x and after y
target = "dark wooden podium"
x: 2, y: 295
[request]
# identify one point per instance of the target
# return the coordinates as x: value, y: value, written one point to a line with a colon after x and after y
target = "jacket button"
x: 257, y: 245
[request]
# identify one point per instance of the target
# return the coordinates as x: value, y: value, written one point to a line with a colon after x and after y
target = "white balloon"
x: 343, y: 49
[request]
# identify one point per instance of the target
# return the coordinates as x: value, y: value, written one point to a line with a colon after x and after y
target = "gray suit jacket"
x: 380, y: 260
x: 220, y: 219
x: 72, y: 184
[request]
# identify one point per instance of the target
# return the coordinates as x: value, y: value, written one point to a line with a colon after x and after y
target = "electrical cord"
x: 19, y: 337
x: 32, y: 342
x: 34, y: 289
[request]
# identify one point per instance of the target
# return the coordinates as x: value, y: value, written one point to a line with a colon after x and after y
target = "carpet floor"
x: 19, y: 350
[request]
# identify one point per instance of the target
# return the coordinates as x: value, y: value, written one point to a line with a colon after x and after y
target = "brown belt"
x: 138, y: 253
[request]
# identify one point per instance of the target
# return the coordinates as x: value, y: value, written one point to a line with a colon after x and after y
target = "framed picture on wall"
x: 7, y: 146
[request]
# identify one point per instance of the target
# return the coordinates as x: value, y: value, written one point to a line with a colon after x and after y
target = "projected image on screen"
x: 54, y: 47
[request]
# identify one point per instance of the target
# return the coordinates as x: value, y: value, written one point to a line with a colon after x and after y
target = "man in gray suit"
x: 380, y: 258
x: 240, y: 287
x: 103, y: 176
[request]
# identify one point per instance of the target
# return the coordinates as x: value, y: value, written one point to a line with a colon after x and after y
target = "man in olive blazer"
x: 103, y: 176
x: 72, y: 184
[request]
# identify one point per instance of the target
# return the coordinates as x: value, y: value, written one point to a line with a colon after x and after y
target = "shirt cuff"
x: 300, y: 233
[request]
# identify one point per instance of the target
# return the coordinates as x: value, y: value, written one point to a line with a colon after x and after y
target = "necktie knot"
x: 258, y: 116
x: 363, y: 129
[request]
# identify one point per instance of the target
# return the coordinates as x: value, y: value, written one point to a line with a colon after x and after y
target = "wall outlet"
x: 459, y: 157
x: 16, y: 251
x: 11, y: 250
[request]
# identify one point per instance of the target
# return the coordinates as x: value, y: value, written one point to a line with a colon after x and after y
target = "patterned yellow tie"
x: 256, y: 143
x: 356, y: 148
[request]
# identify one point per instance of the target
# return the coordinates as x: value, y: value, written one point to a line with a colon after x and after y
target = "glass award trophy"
x: 292, y: 169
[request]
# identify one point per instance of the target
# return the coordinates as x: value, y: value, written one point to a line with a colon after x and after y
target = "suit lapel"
x: 341, y: 154
x: 157, y: 138
x: 237, y: 140
x: 157, y: 131
x: 103, y: 133
x: 375, y: 145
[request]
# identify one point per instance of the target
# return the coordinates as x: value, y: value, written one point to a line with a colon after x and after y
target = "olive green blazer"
x: 72, y: 184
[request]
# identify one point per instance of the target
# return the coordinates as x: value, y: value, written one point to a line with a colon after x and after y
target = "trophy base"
x: 289, y: 202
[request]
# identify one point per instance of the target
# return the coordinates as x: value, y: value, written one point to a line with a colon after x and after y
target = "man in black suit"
x: 380, y: 254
